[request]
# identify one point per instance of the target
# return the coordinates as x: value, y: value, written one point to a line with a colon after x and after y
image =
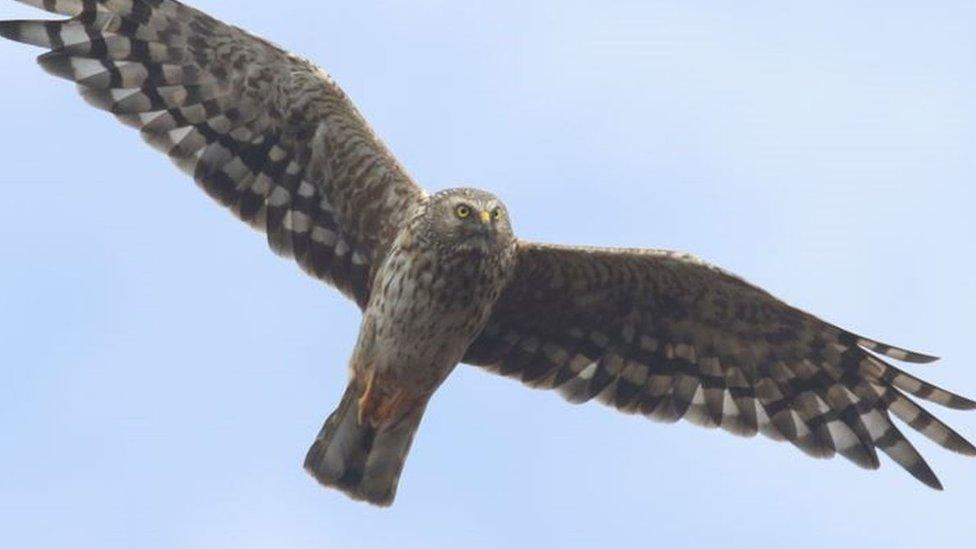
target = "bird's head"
x: 468, y: 220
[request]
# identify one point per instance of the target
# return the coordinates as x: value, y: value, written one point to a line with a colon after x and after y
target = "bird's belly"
x: 428, y: 334
x: 422, y: 327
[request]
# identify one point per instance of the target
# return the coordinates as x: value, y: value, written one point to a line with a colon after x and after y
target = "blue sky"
x: 162, y: 373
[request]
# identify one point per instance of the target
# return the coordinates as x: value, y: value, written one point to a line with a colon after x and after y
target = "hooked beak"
x: 485, y: 217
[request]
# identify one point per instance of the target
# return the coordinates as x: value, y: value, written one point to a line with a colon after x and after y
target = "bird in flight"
x: 441, y: 278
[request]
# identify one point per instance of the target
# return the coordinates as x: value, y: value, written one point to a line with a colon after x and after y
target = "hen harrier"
x: 441, y: 279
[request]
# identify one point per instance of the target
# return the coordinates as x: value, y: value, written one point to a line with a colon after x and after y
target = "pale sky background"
x: 162, y: 372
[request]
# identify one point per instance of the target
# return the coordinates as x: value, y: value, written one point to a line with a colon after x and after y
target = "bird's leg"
x: 391, y: 406
x: 364, y: 400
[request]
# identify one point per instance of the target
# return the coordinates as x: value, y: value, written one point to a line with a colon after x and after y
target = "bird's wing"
x: 668, y: 336
x: 267, y: 134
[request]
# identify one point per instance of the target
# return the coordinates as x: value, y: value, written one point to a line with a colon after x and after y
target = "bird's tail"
x: 360, y: 459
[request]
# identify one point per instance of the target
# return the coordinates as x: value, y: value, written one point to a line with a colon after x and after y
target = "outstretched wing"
x: 268, y: 135
x: 668, y: 336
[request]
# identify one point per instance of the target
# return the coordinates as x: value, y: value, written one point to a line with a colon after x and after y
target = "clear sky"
x: 162, y: 373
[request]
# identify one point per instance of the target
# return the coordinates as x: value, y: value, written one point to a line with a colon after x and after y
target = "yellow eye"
x: 496, y: 214
x: 463, y: 211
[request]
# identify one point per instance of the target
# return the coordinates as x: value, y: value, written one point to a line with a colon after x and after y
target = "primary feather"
x: 669, y: 336
x: 265, y: 133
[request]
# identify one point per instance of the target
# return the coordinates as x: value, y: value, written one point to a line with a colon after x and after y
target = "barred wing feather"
x: 668, y: 336
x: 266, y: 134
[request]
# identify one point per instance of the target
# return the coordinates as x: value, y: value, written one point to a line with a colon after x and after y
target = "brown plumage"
x: 430, y: 297
x: 441, y: 278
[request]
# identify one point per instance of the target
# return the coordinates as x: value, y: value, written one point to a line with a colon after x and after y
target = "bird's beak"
x: 485, y: 217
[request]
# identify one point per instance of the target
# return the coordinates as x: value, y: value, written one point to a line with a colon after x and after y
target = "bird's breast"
x: 432, y: 305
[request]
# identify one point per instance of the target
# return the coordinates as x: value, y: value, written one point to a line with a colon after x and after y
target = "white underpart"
x: 875, y: 423
x: 279, y: 197
x: 729, y: 407
x: 85, y: 68
x: 588, y: 372
x: 802, y: 431
x: 323, y: 236
x: 276, y: 154
x: 178, y: 134
x: 844, y: 438
x: 897, y: 354
x: 262, y: 185
x: 121, y: 94
x: 296, y: 222
x: 306, y: 190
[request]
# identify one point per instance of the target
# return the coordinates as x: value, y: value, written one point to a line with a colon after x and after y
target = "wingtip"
x: 957, y: 402
x: 965, y: 448
x: 966, y: 404
x: 897, y: 353
x: 928, y: 477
